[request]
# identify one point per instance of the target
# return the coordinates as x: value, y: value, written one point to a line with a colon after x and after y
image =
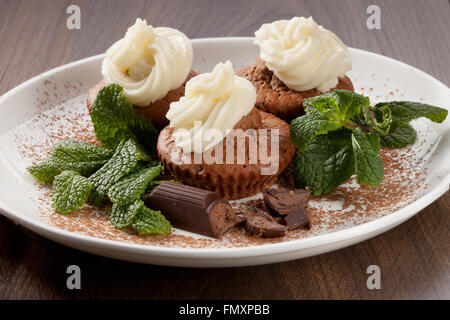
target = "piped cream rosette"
x: 213, y: 103
x: 148, y: 62
x: 303, y: 54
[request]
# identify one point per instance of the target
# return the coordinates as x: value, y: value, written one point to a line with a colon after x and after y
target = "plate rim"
x: 370, y: 229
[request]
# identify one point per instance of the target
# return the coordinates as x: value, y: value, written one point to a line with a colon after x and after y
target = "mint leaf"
x: 349, y: 102
x: 378, y: 119
x: 402, y: 137
x: 328, y: 162
x: 147, y: 221
x: 115, y: 120
x: 131, y: 187
x: 124, y: 160
x: 368, y: 166
x: 338, y: 105
x: 324, y: 104
x: 307, y: 127
x: 122, y: 216
x: 86, y: 157
x: 70, y: 191
x: 405, y: 111
x: 46, y: 170
x: 137, y: 216
x: 82, y: 157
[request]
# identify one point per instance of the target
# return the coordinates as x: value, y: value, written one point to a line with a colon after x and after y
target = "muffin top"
x: 303, y: 54
x: 148, y: 62
x: 213, y: 104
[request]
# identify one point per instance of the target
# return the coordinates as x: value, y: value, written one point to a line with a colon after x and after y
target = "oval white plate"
x: 373, y: 74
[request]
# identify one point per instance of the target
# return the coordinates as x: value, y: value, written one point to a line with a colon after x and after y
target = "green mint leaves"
x: 133, y: 185
x: 147, y: 221
x: 328, y: 162
x: 82, y: 157
x: 122, y: 171
x: 368, y: 166
x: 327, y: 112
x: 124, y: 178
x: 71, y: 191
x: 125, y: 159
x: 405, y: 111
x: 122, y: 216
x: 379, y: 119
x: 341, y: 134
x: 338, y: 105
x: 142, y: 219
x: 304, y: 129
x: 115, y: 120
x: 402, y: 137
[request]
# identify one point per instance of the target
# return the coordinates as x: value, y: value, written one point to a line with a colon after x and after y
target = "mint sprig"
x: 123, y: 170
x: 341, y: 136
x: 124, y: 177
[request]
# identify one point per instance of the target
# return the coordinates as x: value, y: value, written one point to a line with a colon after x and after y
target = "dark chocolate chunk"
x: 261, y: 224
x: 253, y: 205
x: 282, y: 201
x: 193, y: 209
x: 297, y: 218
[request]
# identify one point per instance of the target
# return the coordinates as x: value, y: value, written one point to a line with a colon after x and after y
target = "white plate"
x: 374, y: 75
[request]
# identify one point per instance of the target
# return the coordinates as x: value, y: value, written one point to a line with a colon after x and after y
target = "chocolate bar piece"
x: 261, y: 224
x: 281, y: 201
x: 193, y: 209
x: 297, y: 218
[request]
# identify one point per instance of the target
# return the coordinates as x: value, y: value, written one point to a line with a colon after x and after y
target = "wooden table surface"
x: 413, y: 257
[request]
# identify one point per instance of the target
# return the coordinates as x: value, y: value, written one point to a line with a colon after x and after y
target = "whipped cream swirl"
x: 213, y: 103
x: 303, y: 54
x: 148, y: 62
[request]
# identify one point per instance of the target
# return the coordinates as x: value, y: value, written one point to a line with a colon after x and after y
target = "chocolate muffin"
x: 232, y: 181
x: 298, y: 59
x: 275, y: 97
x: 152, y: 65
x: 155, y: 111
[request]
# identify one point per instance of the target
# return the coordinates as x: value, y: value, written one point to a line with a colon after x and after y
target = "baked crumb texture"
x: 275, y: 97
x: 232, y: 181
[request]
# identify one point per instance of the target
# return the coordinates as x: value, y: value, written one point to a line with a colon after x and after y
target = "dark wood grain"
x: 413, y: 257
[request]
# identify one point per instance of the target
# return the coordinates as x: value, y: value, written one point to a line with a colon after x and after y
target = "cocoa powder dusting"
x: 344, y: 207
